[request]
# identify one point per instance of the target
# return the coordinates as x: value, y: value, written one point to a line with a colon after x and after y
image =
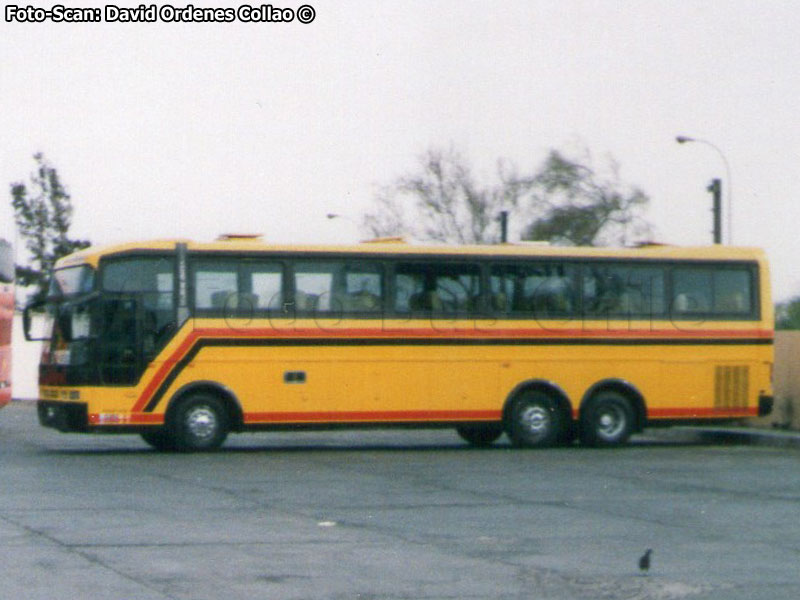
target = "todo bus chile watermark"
x: 240, y: 314
x: 155, y: 13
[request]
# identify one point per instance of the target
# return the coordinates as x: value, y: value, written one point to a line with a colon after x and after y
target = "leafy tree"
x: 583, y: 208
x: 43, y: 214
x: 563, y: 201
x: 787, y: 314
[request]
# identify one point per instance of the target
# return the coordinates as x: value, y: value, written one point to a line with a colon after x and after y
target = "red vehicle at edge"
x: 6, y: 319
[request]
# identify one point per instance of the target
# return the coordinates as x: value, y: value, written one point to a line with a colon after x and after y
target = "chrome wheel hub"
x: 611, y: 422
x: 201, y: 422
x: 536, y: 419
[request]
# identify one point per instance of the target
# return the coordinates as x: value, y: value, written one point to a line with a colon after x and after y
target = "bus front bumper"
x: 64, y: 416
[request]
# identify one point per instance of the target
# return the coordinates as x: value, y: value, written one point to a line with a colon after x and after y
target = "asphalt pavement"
x: 397, y: 515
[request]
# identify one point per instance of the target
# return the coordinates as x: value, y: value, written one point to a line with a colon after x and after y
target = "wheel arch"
x: 627, y: 389
x: 220, y: 391
x: 543, y: 385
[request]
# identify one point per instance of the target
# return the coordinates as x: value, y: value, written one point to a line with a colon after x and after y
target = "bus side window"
x: 261, y: 285
x: 713, y: 290
x: 623, y: 290
x: 692, y: 289
x: 450, y: 289
x: 360, y: 289
x: 212, y: 287
x: 150, y: 279
x: 534, y: 289
x: 732, y: 291
x: 335, y: 287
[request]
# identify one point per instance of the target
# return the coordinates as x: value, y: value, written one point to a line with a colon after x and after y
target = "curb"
x: 722, y: 435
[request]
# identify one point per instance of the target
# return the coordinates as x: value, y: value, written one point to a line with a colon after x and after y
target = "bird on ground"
x: 644, y: 561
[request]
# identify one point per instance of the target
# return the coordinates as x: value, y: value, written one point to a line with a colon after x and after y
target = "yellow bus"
x: 184, y: 342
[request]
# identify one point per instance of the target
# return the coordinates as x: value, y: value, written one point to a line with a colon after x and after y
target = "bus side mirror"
x: 26, y: 322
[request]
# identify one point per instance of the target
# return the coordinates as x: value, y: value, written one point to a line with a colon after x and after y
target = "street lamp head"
x: 682, y: 139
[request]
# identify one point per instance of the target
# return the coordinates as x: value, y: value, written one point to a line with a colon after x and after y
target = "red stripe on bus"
x: 416, y: 416
x: 147, y: 418
x: 162, y: 373
x: 373, y: 416
x: 321, y: 332
x: 459, y: 415
x: 132, y: 419
x: 701, y: 413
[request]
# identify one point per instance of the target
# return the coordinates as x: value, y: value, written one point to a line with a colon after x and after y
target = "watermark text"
x: 160, y: 13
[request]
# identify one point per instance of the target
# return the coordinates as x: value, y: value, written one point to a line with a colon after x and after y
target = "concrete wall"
x: 786, y: 383
x: 24, y: 363
x: 786, y: 412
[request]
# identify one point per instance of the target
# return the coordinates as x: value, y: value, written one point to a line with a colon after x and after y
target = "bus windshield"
x: 102, y: 329
x: 65, y: 284
x: 98, y: 338
x: 68, y: 326
x: 71, y: 281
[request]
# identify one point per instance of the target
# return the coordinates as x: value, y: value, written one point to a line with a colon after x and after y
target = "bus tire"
x: 480, y: 435
x: 199, y: 423
x: 158, y: 438
x: 606, y: 420
x: 534, y: 419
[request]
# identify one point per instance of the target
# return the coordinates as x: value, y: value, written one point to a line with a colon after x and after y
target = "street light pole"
x: 715, y: 187
x: 683, y: 139
x: 503, y: 218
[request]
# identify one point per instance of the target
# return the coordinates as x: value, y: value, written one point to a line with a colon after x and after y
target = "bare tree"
x: 563, y: 201
x: 441, y: 203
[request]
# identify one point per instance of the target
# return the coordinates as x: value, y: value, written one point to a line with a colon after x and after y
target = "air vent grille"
x: 731, y: 387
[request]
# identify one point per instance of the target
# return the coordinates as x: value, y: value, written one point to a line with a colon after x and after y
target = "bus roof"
x: 92, y: 255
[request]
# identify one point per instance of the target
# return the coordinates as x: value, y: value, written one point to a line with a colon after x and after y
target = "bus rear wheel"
x: 607, y: 420
x: 480, y: 435
x: 535, y: 420
x: 199, y: 423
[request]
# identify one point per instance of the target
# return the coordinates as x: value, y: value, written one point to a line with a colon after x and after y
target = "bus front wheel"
x: 607, y: 420
x: 199, y: 422
x: 534, y: 420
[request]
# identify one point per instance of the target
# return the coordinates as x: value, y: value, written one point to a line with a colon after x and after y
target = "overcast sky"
x: 191, y: 130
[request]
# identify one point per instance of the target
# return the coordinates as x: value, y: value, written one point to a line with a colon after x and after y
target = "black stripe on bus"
x: 303, y: 342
